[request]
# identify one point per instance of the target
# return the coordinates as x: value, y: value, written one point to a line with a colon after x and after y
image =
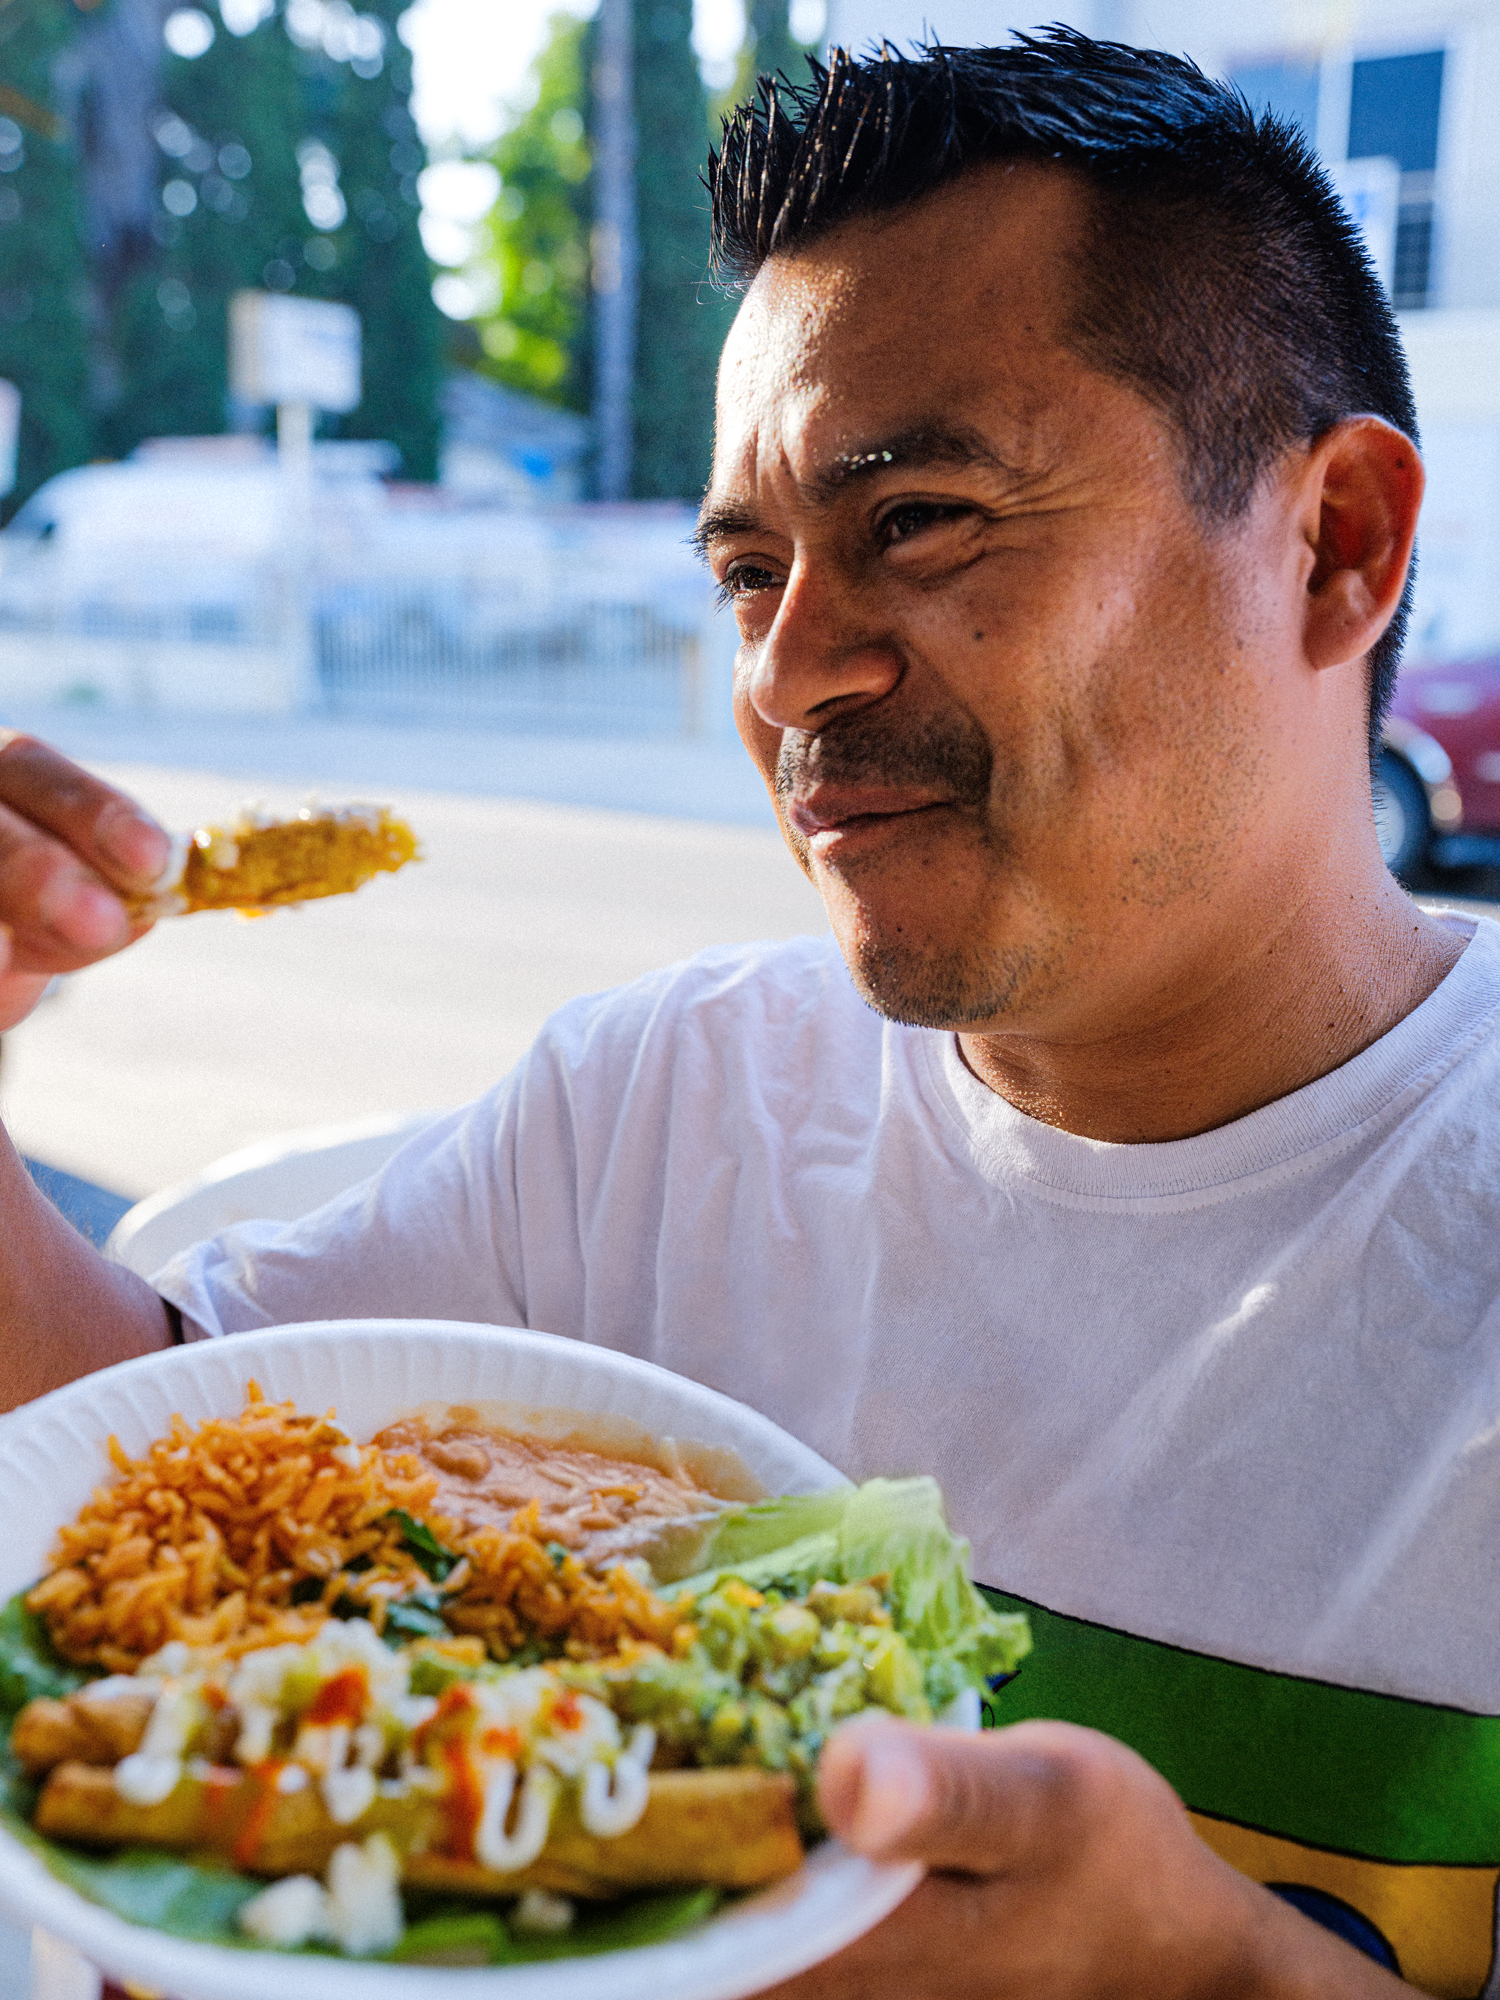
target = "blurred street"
x: 417, y: 993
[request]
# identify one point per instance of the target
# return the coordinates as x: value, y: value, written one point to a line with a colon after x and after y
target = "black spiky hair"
x: 1219, y: 273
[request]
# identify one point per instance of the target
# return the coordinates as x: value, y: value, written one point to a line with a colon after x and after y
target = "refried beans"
x: 604, y: 1509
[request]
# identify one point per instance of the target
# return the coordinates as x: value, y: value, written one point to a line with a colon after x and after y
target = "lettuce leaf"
x: 188, y: 1899
x: 888, y: 1527
x: 29, y: 1668
x: 456, y: 1935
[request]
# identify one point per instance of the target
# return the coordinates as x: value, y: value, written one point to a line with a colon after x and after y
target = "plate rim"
x: 671, y: 1969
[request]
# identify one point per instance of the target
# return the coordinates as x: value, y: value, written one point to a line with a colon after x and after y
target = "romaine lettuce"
x: 888, y: 1527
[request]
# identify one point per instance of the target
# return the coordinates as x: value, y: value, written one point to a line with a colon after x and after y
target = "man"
x: 1130, y: 1163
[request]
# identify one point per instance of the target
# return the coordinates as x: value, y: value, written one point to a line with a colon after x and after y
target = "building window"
x: 1290, y: 89
x: 1413, y: 254
x: 1395, y: 104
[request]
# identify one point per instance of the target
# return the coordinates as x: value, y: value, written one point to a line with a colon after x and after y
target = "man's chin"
x: 929, y: 984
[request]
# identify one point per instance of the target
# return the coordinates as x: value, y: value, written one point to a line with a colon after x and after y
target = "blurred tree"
x: 287, y: 159
x: 229, y: 203
x: 682, y: 318
x: 770, y: 48
x: 43, y: 271
x: 539, y: 334
x: 536, y: 336
x: 381, y: 268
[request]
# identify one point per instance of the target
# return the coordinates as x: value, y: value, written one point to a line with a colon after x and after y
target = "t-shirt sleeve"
x: 433, y: 1235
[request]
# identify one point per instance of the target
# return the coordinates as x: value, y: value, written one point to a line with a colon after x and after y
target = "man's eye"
x: 742, y: 579
x: 912, y: 516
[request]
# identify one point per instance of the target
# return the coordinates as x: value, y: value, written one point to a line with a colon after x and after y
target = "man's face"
x: 1012, y: 697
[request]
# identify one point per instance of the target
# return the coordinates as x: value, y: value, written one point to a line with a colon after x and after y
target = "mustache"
x: 946, y: 754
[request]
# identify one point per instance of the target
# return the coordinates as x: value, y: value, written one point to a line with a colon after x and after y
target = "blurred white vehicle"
x: 169, y: 580
x: 192, y: 577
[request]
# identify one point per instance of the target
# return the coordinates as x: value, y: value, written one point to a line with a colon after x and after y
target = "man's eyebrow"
x: 715, y: 523
x: 951, y: 447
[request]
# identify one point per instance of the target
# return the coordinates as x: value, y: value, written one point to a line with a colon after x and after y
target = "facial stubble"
x: 925, y: 978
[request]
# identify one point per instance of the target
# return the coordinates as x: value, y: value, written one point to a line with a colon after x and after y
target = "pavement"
x: 706, y: 778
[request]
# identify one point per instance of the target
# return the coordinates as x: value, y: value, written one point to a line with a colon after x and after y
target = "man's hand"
x: 68, y: 846
x: 1062, y: 1867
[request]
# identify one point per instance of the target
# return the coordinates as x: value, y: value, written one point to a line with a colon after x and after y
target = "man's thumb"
x: 981, y: 1804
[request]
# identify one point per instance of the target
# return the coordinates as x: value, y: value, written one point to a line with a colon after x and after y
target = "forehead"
x: 956, y: 304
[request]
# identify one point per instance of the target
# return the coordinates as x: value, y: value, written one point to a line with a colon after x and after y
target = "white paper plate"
x: 51, y: 1458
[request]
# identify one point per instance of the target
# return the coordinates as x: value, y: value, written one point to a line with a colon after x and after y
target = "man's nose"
x: 821, y: 657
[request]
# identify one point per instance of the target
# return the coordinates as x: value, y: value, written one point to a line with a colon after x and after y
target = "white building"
x: 1410, y: 90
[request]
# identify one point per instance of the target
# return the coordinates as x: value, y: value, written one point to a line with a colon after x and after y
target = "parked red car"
x: 1437, y: 783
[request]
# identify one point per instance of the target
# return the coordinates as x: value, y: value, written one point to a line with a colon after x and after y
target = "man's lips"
x: 829, y: 809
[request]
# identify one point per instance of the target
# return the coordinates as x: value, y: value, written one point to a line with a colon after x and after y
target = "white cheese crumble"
x: 359, y: 1910
x: 292, y: 1912
x: 539, y: 1911
x: 364, y: 1901
x: 149, y: 1775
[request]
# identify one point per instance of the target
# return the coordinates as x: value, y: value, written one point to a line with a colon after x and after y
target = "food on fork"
x: 262, y: 862
x: 358, y: 1686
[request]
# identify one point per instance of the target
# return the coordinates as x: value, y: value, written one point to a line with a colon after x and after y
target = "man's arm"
x: 69, y: 846
x: 1063, y: 1868
x: 64, y: 1309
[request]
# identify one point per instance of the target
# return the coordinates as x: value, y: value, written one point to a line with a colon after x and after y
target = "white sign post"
x: 289, y: 350
x: 10, y: 434
x: 302, y: 355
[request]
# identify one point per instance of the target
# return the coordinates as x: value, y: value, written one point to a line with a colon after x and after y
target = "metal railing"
x: 550, y: 639
x: 465, y: 648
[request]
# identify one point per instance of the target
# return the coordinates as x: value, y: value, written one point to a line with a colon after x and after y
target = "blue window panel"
x: 1394, y: 103
x: 1290, y: 89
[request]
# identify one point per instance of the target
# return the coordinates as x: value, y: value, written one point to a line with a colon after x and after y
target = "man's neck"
x: 1282, y: 1009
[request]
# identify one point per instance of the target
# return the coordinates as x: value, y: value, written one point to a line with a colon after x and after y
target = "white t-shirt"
x: 1240, y: 1392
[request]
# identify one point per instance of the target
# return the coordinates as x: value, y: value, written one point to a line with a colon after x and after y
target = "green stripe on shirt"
x: 1369, y: 1774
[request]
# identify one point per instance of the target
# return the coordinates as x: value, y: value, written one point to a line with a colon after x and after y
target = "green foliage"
x: 247, y: 111
x: 770, y: 48
x: 537, y: 337
x: 242, y: 102
x: 43, y: 276
x: 536, y: 239
x: 682, y: 319
x: 382, y: 269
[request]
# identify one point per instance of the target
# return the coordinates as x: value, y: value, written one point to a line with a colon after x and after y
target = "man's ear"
x: 1362, y: 495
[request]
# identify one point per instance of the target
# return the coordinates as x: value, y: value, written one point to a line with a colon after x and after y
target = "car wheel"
x: 1402, y: 824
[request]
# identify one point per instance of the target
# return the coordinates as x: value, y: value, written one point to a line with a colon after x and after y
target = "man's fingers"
x: 983, y: 1805
x: 60, y: 915
x: 105, y: 828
